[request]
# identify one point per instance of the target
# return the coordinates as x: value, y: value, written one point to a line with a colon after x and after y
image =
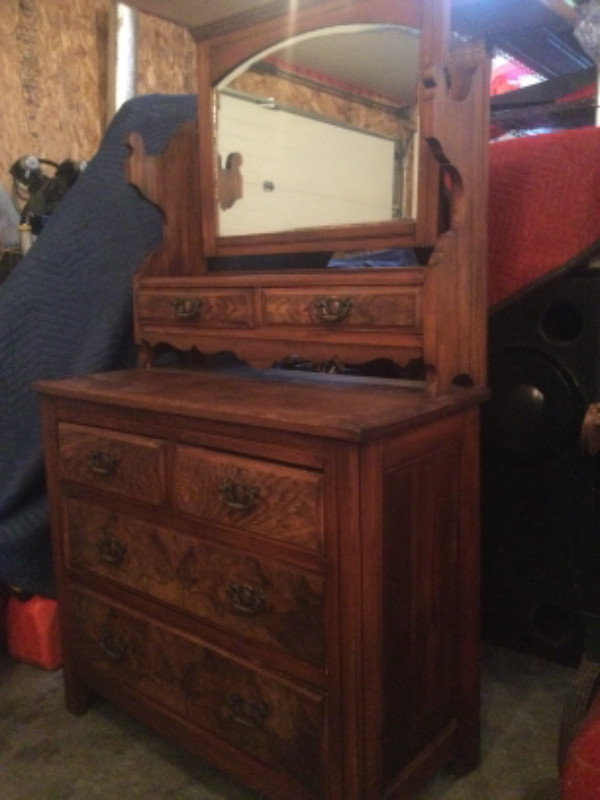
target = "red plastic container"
x: 32, y: 632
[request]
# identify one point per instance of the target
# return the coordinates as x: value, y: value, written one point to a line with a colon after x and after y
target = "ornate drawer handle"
x: 186, y: 307
x: 114, y: 647
x: 112, y: 551
x: 245, y: 599
x: 103, y: 463
x: 332, y: 309
x: 238, y: 496
x: 247, y: 713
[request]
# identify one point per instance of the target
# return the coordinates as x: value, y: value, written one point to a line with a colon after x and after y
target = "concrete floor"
x: 48, y: 754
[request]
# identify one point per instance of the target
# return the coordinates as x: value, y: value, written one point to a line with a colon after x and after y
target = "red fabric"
x: 583, y: 93
x: 544, y: 205
x: 581, y: 772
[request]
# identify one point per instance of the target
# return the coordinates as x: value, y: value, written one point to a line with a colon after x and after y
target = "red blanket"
x: 544, y: 205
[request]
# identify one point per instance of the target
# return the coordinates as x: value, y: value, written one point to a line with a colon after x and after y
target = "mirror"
x: 320, y: 131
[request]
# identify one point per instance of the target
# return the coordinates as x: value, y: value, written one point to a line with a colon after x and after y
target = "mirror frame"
x: 223, y: 49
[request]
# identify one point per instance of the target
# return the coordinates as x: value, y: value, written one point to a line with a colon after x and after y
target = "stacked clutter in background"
x: 10, y: 249
x: 32, y: 630
x: 9, y: 222
x: 37, y: 195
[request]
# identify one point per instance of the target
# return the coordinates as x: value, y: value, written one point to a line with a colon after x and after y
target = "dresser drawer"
x: 189, y: 307
x: 116, y: 462
x: 256, y: 598
x: 347, y: 307
x: 260, y: 497
x: 273, y: 720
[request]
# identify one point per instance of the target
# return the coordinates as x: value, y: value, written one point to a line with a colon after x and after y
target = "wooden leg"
x: 468, y: 750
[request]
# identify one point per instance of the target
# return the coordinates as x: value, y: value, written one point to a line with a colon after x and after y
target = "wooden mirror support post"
x: 435, y: 311
x: 269, y: 549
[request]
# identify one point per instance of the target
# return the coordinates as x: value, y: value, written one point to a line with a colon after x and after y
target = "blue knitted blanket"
x: 66, y: 310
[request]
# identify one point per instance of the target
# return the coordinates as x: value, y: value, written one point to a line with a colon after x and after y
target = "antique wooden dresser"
x: 266, y: 536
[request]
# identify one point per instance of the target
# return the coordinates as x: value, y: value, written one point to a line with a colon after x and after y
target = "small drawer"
x: 116, y: 462
x: 259, y: 497
x: 262, y: 600
x: 191, y: 307
x: 345, y: 307
x: 272, y: 720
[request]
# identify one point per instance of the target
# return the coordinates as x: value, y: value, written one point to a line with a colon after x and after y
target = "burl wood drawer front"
x: 273, y: 720
x: 116, y: 462
x: 259, y: 599
x: 271, y: 500
x: 345, y: 307
x: 190, y: 307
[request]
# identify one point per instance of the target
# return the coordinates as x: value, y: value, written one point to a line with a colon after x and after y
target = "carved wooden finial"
x: 231, y: 181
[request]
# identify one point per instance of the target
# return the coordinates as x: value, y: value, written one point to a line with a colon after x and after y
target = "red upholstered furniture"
x: 581, y: 772
x: 544, y: 206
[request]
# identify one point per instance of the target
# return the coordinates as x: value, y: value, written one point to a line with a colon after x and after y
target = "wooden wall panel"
x: 381, y: 117
x: 166, y: 58
x: 54, y: 73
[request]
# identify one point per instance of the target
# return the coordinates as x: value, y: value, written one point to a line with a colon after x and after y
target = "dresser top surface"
x: 323, y: 405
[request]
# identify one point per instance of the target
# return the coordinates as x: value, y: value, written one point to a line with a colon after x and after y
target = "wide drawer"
x: 346, y: 307
x: 271, y: 719
x: 116, y: 462
x: 257, y: 598
x: 260, y: 497
x: 213, y: 307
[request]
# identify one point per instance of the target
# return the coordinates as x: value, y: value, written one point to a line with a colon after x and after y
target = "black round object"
x: 536, y: 407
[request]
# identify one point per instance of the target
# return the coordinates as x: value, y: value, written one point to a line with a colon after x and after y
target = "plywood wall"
x: 54, y: 73
x: 382, y: 117
x: 166, y: 58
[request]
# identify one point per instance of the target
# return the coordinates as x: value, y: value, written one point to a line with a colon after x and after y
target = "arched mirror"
x: 317, y: 140
x: 320, y: 131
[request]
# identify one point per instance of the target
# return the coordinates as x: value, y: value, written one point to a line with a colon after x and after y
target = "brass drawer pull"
x: 245, y: 599
x: 332, y: 309
x: 112, y: 551
x: 247, y: 713
x: 103, y: 463
x: 186, y: 307
x: 114, y: 647
x: 238, y: 496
